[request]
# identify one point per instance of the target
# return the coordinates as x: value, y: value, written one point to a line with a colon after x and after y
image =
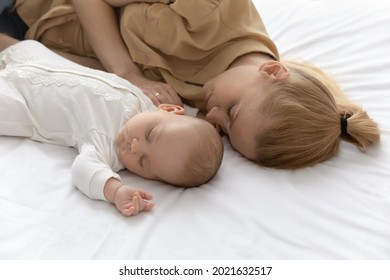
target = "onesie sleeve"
x: 90, y: 172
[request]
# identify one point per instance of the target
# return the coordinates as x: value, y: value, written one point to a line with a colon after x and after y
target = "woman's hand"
x: 158, y: 92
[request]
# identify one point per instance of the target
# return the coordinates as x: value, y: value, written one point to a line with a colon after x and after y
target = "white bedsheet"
x: 339, y: 209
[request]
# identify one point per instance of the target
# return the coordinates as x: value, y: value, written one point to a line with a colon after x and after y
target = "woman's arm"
x: 83, y: 60
x: 100, y: 24
x: 6, y: 41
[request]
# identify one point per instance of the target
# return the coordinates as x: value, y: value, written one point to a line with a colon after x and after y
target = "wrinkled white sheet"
x: 339, y: 209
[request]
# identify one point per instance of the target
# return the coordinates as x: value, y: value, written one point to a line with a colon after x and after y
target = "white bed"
x: 339, y: 209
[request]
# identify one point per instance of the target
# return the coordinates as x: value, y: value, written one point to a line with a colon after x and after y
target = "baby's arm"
x: 128, y: 201
x: 92, y: 175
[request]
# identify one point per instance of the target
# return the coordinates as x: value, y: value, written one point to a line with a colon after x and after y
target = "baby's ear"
x: 274, y: 70
x: 171, y: 108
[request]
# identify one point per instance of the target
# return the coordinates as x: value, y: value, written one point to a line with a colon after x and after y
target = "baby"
x: 112, y: 123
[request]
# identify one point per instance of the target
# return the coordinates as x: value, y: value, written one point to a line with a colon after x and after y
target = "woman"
x: 217, y: 56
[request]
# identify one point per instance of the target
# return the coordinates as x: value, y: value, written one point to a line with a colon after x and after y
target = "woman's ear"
x: 274, y: 70
x: 171, y: 108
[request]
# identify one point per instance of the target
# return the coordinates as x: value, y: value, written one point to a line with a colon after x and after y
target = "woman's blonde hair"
x: 305, y: 117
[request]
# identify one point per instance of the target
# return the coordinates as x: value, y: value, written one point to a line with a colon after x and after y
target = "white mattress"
x: 339, y: 209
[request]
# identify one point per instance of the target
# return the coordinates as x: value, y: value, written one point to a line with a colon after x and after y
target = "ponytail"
x: 361, y: 130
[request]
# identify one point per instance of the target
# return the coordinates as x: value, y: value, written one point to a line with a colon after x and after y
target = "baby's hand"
x: 130, y: 201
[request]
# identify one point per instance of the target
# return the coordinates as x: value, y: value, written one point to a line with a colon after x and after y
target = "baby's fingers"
x: 127, y: 212
x: 137, y: 203
x: 141, y: 202
x: 148, y: 205
x: 145, y: 195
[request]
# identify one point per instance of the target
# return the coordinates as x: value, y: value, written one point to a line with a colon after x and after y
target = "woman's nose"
x: 212, y: 115
x: 217, y: 117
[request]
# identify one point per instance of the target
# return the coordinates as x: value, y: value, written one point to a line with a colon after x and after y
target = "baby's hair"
x: 304, y: 118
x: 206, y: 156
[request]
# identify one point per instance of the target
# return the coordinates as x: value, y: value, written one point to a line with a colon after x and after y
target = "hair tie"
x: 344, y: 126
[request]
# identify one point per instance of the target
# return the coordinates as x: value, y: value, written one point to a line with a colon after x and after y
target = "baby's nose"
x: 135, y: 146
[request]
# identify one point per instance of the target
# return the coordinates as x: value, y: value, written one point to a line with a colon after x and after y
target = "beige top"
x: 185, y: 43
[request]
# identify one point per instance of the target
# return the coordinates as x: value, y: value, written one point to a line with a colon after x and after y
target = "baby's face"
x: 156, y: 145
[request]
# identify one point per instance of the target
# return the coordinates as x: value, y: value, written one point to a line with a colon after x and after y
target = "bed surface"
x: 339, y: 209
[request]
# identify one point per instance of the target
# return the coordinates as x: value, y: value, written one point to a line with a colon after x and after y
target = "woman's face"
x: 232, y: 100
